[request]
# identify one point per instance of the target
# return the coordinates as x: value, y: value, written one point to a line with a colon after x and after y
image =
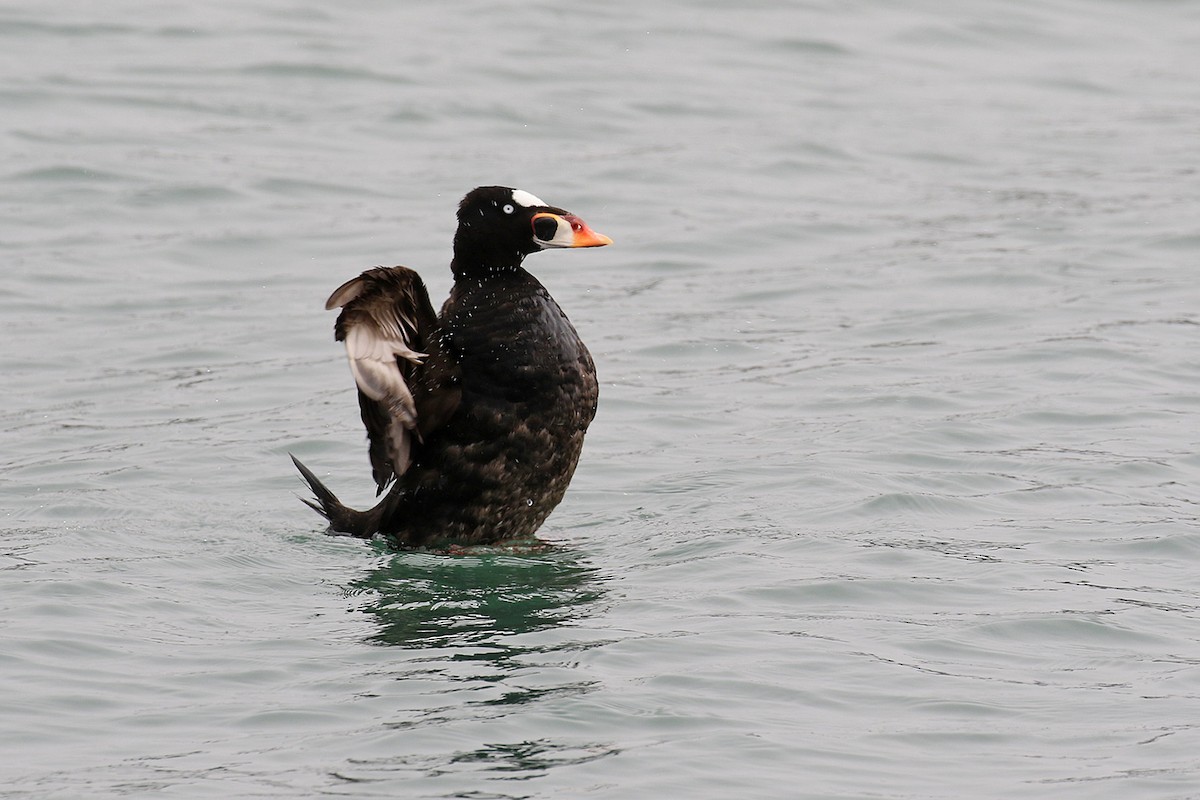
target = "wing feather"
x: 390, y: 332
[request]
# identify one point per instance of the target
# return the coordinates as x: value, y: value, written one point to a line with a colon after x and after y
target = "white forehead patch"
x: 524, y: 198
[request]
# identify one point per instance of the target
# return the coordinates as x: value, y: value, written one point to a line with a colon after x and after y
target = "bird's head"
x: 499, y: 226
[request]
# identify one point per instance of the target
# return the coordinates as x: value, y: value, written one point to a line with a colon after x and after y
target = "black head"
x: 499, y: 226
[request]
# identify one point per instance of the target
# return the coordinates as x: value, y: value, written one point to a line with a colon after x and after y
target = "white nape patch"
x: 524, y: 198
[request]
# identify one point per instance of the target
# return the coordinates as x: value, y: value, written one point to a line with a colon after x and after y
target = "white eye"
x: 508, y: 208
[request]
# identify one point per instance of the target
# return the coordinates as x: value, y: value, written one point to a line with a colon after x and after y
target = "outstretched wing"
x: 390, y: 332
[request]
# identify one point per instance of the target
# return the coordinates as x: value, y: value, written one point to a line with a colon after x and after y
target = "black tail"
x: 343, y: 520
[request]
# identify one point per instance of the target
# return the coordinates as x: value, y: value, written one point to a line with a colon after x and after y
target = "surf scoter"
x: 475, y: 417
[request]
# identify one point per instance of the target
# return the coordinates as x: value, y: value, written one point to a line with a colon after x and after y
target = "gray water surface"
x: 893, y: 488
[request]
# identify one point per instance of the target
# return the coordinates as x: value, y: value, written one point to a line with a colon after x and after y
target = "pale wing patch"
x: 373, y: 352
x: 524, y: 198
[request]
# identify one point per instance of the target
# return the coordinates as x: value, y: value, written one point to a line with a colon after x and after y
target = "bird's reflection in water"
x: 486, y: 635
x: 477, y: 598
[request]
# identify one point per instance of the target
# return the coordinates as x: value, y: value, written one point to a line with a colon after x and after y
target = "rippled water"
x: 893, y: 488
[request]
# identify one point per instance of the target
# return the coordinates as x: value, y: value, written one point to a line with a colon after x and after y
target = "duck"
x: 475, y: 416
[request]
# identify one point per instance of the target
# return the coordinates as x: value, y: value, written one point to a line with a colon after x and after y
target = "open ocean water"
x: 893, y: 491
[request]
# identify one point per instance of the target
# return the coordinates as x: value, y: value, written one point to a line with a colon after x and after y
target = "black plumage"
x: 475, y: 417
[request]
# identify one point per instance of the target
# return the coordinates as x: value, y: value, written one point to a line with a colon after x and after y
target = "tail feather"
x: 343, y: 520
